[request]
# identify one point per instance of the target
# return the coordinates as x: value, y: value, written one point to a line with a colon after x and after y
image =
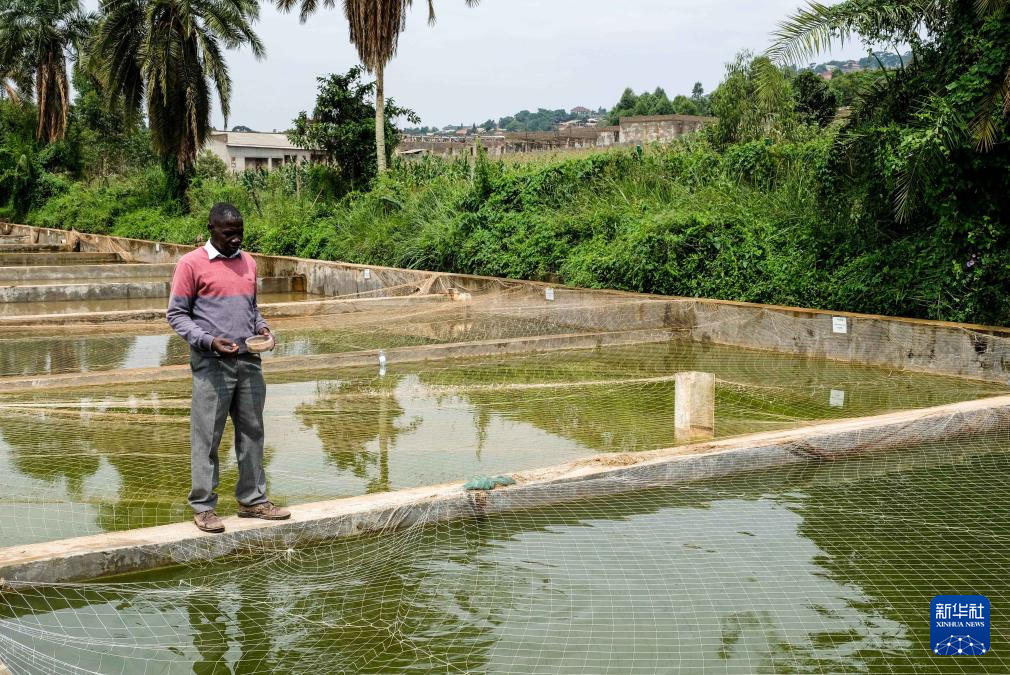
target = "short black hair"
x: 223, y: 210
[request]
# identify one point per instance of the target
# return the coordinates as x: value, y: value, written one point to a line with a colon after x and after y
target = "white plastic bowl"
x: 260, y: 343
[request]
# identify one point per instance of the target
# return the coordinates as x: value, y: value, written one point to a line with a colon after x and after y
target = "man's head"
x: 226, y: 228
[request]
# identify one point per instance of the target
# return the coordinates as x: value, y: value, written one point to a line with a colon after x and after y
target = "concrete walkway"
x: 8, y: 259
x: 43, y: 274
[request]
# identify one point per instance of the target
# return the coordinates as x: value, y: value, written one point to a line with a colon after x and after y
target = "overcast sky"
x: 506, y: 55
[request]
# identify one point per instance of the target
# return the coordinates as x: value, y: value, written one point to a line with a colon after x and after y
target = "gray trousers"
x: 226, y: 386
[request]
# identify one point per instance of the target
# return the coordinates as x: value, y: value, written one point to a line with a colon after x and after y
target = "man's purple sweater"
x: 214, y: 297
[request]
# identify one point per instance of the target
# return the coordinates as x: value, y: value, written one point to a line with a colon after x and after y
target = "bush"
x: 209, y: 165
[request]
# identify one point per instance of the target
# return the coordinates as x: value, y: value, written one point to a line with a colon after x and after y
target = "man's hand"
x: 264, y: 331
x: 223, y: 346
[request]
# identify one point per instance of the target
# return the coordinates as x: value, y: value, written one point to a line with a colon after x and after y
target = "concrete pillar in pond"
x: 694, y: 406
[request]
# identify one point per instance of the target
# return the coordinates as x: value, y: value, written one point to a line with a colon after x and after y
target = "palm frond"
x: 214, y: 67
x: 939, y: 130
x: 170, y: 54
x: 994, y: 8
x: 115, y: 53
x: 306, y: 8
x: 817, y: 27
x: 985, y: 127
x: 431, y: 9
x: 809, y: 31
x: 767, y: 78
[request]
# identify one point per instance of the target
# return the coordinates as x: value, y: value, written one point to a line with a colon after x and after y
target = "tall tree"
x: 753, y: 102
x: 169, y: 54
x: 36, y: 37
x: 375, y: 27
x: 340, y: 127
x: 954, y: 94
x: 816, y: 102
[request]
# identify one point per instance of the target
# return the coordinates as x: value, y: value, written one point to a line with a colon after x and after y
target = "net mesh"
x: 822, y: 567
x: 816, y: 567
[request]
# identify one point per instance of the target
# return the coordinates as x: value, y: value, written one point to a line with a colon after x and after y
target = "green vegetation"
x: 741, y: 223
x: 658, y: 103
x: 921, y: 170
x: 898, y: 207
x: 342, y: 128
x: 541, y: 120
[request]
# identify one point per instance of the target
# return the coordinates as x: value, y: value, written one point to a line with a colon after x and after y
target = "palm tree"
x: 169, y: 54
x: 36, y: 37
x: 375, y: 27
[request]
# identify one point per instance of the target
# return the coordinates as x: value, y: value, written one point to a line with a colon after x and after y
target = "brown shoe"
x: 208, y: 521
x: 264, y: 510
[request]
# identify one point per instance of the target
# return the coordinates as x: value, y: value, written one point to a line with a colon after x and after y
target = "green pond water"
x: 815, y: 568
x: 86, y: 460
x: 26, y: 355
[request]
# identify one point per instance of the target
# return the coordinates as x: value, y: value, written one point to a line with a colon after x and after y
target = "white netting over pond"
x: 819, y: 566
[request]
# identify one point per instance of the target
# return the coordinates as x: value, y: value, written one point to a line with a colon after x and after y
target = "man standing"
x: 213, y: 307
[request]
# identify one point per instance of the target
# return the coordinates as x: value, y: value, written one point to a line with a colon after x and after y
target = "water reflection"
x: 360, y: 422
x: 45, y: 355
x: 621, y: 399
x: 142, y: 442
x: 325, y: 438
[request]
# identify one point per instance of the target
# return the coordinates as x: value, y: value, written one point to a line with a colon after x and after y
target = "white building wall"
x: 238, y: 157
x: 218, y: 146
x: 242, y: 158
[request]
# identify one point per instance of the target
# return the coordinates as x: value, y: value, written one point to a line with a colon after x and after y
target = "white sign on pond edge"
x: 549, y: 293
x: 836, y: 399
x: 839, y: 324
x: 368, y: 274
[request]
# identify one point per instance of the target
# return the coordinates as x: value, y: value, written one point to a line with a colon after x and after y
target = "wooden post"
x: 694, y: 406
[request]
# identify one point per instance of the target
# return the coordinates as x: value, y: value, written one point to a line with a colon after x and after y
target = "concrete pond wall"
x: 963, y: 350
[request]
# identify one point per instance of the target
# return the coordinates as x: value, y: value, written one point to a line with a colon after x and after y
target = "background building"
x: 243, y: 150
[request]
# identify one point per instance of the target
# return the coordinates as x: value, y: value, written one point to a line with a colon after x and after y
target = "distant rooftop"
x: 254, y: 139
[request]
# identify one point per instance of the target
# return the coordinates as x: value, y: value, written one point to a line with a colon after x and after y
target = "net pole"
x: 694, y: 406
